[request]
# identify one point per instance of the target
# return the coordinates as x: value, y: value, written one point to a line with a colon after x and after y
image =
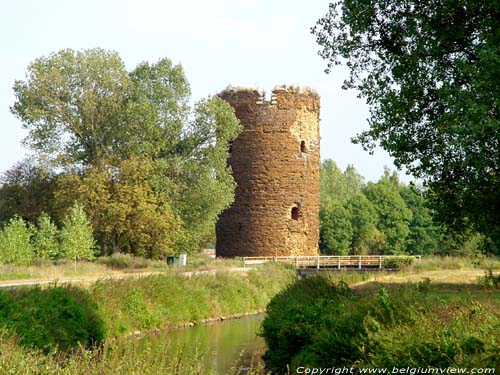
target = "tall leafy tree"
x: 366, y: 238
x: 93, y: 120
x: 425, y: 236
x: 46, y: 238
x: 429, y: 71
x: 128, y: 215
x: 26, y: 190
x: 393, y: 214
x: 77, y: 239
x: 335, y: 231
x: 353, y: 180
x: 333, y: 182
x: 15, y: 245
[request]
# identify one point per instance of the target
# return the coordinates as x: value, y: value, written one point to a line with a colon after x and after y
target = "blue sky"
x: 259, y: 43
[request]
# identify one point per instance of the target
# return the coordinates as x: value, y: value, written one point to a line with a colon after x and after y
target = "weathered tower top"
x: 276, y: 164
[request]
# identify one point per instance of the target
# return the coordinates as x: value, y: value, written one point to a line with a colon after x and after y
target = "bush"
x: 397, y: 262
x: 15, y: 246
x: 53, y: 318
x: 292, y: 324
x: 490, y: 280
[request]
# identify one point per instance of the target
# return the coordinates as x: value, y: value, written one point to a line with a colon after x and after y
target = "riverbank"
x: 398, y: 321
x: 131, y: 306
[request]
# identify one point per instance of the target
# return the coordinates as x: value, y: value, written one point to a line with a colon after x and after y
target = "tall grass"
x: 115, y: 357
x: 163, y: 301
x: 436, y: 263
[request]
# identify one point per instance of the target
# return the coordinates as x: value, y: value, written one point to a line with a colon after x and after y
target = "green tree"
x: 71, y: 104
x: 429, y: 71
x: 333, y: 184
x: 46, y: 238
x: 335, y: 230
x: 424, y: 236
x: 364, y: 220
x: 128, y: 214
x: 393, y: 215
x: 91, y: 119
x: 207, y: 186
x: 353, y: 180
x: 77, y: 239
x: 15, y: 245
x: 26, y: 190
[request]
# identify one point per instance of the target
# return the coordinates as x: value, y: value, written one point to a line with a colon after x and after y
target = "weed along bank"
x: 276, y: 166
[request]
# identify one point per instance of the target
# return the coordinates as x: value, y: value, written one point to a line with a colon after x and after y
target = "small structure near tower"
x: 276, y: 165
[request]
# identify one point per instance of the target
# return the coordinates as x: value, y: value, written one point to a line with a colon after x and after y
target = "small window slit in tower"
x: 303, y: 146
x: 295, y: 214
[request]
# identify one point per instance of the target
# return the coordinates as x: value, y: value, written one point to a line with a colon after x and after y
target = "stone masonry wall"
x: 276, y: 165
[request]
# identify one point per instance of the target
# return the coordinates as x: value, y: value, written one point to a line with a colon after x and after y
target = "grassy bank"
x: 41, y: 316
x: 159, y: 302
x: 319, y: 322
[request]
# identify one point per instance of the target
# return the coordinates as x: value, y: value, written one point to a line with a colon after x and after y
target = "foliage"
x: 292, y: 318
x: 129, y: 148
x: 397, y: 263
x: 393, y: 214
x: 77, y: 240
x: 168, y: 300
x: 317, y: 323
x: 490, y: 280
x: 46, y: 238
x: 26, y: 190
x: 15, y: 245
x: 425, y: 236
x: 53, y: 318
x: 120, y: 261
x: 128, y: 213
x: 429, y: 72
x: 364, y: 221
x: 335, y: 230
x: 114, y: 357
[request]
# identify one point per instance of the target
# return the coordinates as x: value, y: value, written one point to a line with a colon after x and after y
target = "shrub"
x: 53, y: 318
x: 397, y: 262
x: 15, y: 246
x: 490, y: 280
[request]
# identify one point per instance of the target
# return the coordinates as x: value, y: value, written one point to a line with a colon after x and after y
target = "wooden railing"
x: 328, y: 261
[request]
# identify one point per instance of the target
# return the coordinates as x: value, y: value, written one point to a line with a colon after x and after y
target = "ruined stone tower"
x: 276, y: 164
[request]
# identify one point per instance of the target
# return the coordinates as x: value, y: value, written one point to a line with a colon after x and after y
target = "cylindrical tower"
x: 276, y: 165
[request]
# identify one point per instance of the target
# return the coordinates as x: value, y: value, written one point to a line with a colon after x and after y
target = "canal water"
x: 221, y: 346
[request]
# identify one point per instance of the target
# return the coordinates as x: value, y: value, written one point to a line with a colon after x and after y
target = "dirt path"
x: 458, y: 276
x: 114, y: 276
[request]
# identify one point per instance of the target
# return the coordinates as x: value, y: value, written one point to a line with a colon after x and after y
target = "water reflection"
x: 223, y: 345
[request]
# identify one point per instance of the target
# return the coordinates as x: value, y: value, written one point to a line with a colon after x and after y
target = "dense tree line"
x: 429, y: 70
x: 383, y: 217
x: 148, y: 169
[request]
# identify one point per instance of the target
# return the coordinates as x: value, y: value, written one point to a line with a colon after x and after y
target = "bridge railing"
x: 328, y: 261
